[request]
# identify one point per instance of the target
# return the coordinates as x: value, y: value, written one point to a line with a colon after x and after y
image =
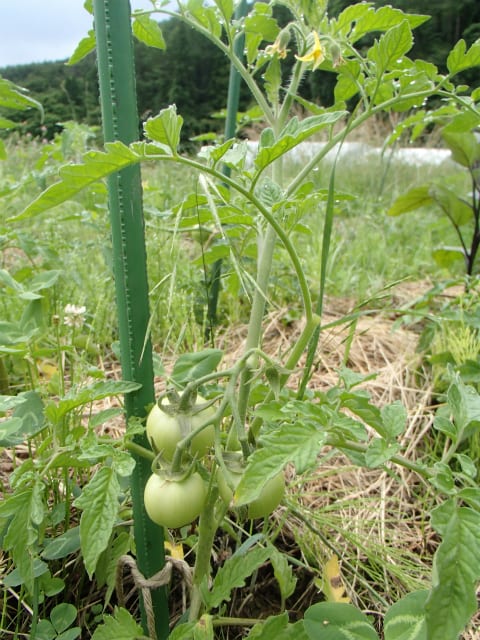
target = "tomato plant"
x: 174, y: 502
x: 165, y: 430
x: 269, y: 498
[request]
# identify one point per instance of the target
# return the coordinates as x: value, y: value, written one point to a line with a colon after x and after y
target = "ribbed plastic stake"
x: 120, y: 122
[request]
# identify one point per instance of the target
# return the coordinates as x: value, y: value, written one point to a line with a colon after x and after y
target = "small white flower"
x: 74, y: 316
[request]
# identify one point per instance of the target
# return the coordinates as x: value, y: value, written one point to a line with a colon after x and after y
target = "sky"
x: 44, y: 30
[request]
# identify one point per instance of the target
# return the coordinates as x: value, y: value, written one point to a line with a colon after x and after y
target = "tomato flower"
x: 316, y: 55
x: 279, y: 47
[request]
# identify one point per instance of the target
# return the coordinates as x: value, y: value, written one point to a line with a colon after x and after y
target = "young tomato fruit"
x: 174, y: 503
x: 164, y: 431
x: 269, y: 498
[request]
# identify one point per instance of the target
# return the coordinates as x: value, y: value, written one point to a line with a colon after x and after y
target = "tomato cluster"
x: 174, y: 500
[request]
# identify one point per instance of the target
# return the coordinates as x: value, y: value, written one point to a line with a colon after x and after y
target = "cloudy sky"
x: 39, y: 30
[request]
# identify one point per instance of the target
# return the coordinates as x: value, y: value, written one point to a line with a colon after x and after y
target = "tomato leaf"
x: 96, y: 165
x: 337, y: 621
x: 83, y: 48
x: 460, y: 59
x: 148, y: 31
x: 298, y: 443
x: 120, y: 626
x: 25, y: 511
x: 394, y: 44
x: 191, y: 366
x: 295, y: 132
x: 233, y: 574
x: 456, y: 570
x: 283, y: 572
x: 405, y: 620
x: 99, y: 502
x: 97, y: 391
x: 165, y: 129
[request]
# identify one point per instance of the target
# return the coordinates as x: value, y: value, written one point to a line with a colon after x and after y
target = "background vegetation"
x: 194, y: 76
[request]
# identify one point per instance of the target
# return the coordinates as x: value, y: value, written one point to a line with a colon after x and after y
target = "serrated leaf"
x: 26, y: 511
x: 165, y: 129
x: 394, y: 44
x: 456, y: 569
x: 358, y: 402
x: 464, y: 402
x: 405, y: 620
x: 380, y: 451
x: 233, y: 574
x: 92, y: 393
x: 120, y: 626
x: 413, y: 199
x: 99, y: 504
x: 460, y: 59
x: 295, y: 133
x: 148, y: 31
x: 350, y: 79
x: 83, y: 48
x: 369, y: 19
x: 298, y: 443
x: 337, y: 621
x: 394, y: 418
x: 12, y: 97
x: 191, y: 366
x: 283, y: 573
x: 96, y: 165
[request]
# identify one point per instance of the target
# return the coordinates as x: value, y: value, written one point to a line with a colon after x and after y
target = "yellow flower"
x: 316, y: 55
x: 275, y: 48
x: 279, y: 47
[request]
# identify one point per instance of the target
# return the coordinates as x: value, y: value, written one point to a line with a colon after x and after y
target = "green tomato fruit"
x: 174, y: 503
x: 164, y: 431
x: 269, y: 498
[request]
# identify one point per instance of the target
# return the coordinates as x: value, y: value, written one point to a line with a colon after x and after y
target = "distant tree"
x: 192, y: 73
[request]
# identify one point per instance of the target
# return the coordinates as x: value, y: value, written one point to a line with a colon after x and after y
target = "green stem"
x: 207, y: 528
x: 134, y: 447
x: 255, y: 325
x: 422, y: 471
x: 236, y: 622
x: 272, y: 221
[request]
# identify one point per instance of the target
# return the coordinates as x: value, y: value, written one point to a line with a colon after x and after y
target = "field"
x: 401, y: 325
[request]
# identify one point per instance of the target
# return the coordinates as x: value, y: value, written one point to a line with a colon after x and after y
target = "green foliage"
x: 262, y: 424
x: 461, y: 210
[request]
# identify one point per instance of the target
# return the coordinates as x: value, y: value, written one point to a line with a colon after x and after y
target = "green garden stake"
x: 120, y: 122
x: 230, y: 128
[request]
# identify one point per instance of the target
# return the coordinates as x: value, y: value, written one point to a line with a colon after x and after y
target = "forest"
x: 195, y: 78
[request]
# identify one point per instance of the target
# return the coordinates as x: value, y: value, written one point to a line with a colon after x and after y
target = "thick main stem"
x: 266, y: 249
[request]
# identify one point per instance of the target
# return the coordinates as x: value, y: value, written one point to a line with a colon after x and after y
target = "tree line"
x: 193, y: 73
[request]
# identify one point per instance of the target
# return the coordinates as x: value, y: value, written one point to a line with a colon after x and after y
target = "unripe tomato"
x: 269, y: 498
x: 174, y: 503
x: 164, y: 431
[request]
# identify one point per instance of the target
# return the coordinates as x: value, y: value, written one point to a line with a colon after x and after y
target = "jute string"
x: 145, y: 585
